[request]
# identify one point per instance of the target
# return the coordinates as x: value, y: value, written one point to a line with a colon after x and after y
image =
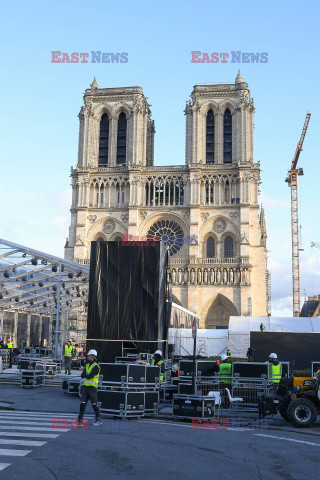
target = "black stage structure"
x: 300, y: 348
x: 127, y: 307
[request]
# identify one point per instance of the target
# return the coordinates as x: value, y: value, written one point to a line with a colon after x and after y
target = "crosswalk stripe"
x: 23, y: 443
x: 22, y: 422
x: 28, y: 435
x: 35, y: 429
x: 8, y: 452
x: 4, y: 465
x: 36, y: 419
x: 36, y: 414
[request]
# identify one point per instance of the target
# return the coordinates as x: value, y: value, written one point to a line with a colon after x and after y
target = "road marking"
x: 13, y: 453
x: 21, y: 422
x: 288, y: 439
x: 37, y: 429
x: 37, y: 414
x: 31, y: 435
x: 198, y: 427
x: 23, y: 443
x: 4, y: 465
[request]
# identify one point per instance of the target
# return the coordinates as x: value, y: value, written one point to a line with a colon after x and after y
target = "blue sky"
x: 41, y: 101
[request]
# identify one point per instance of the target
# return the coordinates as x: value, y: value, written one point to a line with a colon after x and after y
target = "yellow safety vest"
x: 158, y: 365
x: 91, y: 382
x: 9, y: 345
x: 68, y: 350
x: 225, y: 370
x: 275, y: 372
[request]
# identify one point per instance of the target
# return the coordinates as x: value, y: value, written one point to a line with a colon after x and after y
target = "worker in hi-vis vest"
x: 158, y: 361
x: 91, y: 374
x: 225, y: 369
x: 275, y: 369
x: 68, y: 354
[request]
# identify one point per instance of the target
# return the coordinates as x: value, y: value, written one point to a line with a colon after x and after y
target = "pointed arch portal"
x: 216, y: 313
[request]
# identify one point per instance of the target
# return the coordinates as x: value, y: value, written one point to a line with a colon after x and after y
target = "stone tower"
x: 206, y: 211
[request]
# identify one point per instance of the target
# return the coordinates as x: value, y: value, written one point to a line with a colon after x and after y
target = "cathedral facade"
x: 206, y: 211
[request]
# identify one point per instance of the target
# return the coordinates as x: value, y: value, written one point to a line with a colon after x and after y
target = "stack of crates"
x: 128, y: 389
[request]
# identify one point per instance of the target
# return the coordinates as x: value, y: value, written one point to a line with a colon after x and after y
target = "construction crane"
x: 292, y: 180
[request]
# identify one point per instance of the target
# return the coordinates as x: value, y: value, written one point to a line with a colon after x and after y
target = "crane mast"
x: 292, y: 180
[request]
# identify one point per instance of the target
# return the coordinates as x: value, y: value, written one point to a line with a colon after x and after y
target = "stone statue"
x: 179, y: 275
x: 192, y: 276
x: 218, y: 276
x: 225, y: 276
x: 186, y: 275
x: 205, y: 276
x: 199, y: 276
x: 173, y: 276
x: 231, y: 276
x: 238, y: 275
x: 212, y: 276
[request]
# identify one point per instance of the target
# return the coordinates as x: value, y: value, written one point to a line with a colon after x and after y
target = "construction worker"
x: 225, y: 369
x: 1, y: 343
x: 228, y: 353
x: 68, y: 354
x: 89, y: 390
x: 275, y: 369
x: 250, y: 353
x: 9, y: 344
x: 158, y: 361
x: 225, y: 374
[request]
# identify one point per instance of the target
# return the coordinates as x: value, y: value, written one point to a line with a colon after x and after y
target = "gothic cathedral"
x: 206, y: 211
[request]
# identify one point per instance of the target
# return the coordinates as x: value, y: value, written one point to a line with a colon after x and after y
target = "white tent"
x: 240, y: 328
x: 209, y: 342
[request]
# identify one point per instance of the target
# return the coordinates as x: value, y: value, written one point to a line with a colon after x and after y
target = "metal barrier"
x: 6, y: 357
x: 249, y: 389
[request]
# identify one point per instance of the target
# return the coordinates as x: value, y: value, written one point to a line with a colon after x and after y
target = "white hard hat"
x: 92, y: 352
x: 224, y: 357
x: 158, y: 352
x: 69, y: 340
x: 273, y: 355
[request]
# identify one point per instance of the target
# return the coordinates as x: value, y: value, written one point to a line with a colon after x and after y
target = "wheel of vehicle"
x: 302, y: 412
x: 283, y: 407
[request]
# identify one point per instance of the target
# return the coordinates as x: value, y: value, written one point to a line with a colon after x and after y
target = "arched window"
x: 227, y: 137
x: 122, y: 138
x: 118, y: 239
x: 228, y: 247
x: 100, y: 239
x: 104, y: 140
x: 210, y: 247
x: 210, y: 137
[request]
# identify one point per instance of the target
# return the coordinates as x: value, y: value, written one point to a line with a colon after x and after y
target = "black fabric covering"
x: 34, y: 330
x: 22, y: 329
x: 127, y: 296
x: 302, y: 348
x: 45, y: 331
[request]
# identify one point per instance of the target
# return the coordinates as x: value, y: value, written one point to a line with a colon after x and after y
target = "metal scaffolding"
x: 35, y: 282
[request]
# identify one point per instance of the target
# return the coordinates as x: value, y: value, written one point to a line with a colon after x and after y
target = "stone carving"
x: 143, y: 215
x: 125, y: 217
x: 186, y: 275
x: 225, y: 276
x: 179, y: 275
x: 231, y: 276
x: 233, y: 215
x: 199, y: 276
x: 205, y: 276
x: 219, y: 225
x: 218, y: 276
x: 173, y: 276
x: 192, y: 276
x: 92, y: 218
x: 212, y: 276
x: 109, y: 226
x: 204, y: 215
